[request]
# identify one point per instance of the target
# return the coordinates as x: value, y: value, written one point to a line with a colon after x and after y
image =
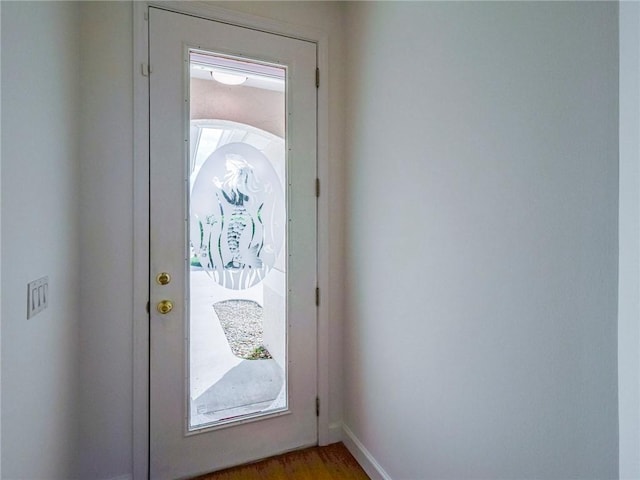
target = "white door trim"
x: 141, y: 209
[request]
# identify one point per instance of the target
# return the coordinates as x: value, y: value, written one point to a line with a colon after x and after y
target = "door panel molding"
x: 141, y: 272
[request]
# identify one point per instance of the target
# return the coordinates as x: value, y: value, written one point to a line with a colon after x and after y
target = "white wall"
x: 106, y: 253
x: 481, y: 261
x: 40, y: 103
x: 0, y: 257
x: 481, y: 338
x: 629, y: 269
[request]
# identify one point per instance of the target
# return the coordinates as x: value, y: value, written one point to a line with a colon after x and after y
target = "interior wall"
x: 482, y: 246
x: 629, y: 269
x: 0, y: 255
x: 40, y: 357
x: 106, y: 252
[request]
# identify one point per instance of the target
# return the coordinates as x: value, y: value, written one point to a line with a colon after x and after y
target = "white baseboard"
x: 335, y: 432
x: 363, y: 456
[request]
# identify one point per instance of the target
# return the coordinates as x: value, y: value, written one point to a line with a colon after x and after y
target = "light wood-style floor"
x: 333, y: 462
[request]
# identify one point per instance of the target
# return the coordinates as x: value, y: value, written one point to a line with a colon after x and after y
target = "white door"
x: 233, y: 244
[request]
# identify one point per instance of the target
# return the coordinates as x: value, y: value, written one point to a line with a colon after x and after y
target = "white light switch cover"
x: 37, y: 296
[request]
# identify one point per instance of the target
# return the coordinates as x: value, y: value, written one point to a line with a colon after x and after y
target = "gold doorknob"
x: 165, y: 306
x: 163, y: 278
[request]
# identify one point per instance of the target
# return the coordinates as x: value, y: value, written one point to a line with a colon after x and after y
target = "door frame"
x: 141, y: 206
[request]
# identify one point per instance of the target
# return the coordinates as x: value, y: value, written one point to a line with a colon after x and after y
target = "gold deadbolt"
x: 165, y: 306
x: 163, y: 278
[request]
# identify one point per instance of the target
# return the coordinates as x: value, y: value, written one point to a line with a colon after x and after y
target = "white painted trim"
x: 363, y: 456
x: 264, y: 24
x: 323, y: 234
x: 140, y: 244
x: 141, y: 209
x: 629, y: 243
x: 335, y: 432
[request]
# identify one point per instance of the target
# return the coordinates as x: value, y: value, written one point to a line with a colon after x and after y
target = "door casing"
x: 141, y: 210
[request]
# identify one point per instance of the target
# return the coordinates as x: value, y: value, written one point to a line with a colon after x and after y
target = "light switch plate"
x: 37, y: 296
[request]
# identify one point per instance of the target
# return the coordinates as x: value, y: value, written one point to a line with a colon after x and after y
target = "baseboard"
x: 335, y: 432
x: 363, y: 456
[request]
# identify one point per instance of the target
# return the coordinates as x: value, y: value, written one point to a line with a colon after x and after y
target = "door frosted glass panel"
x: 237, y: 240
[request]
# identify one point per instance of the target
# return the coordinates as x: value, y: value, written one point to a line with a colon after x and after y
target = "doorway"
x: 232, y: 241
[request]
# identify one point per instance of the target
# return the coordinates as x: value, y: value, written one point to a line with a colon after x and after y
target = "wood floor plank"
x: 333, y: 462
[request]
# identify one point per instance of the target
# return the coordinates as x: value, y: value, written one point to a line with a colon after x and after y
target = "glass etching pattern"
x: 237, y: 238
x: 237, y: 216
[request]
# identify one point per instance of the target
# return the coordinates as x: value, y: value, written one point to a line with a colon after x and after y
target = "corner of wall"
x: 0, y: 259
x: 629, y: 254
x: 106, y: 233
x: 364, y: 457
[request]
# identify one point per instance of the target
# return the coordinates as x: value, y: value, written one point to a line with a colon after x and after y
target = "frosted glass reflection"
x: 237, y: 216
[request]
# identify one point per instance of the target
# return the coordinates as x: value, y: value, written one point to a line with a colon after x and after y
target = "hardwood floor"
x: 333, y: 462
